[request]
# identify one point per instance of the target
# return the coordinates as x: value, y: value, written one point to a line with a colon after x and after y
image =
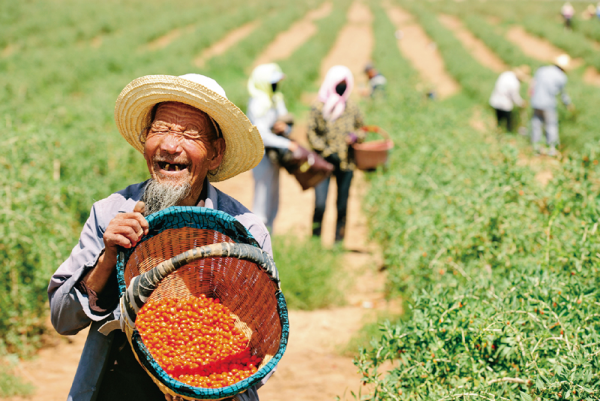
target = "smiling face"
x: 182, y: 147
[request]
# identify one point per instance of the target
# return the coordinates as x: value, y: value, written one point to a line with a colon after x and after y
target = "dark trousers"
x: 124, y: 378
x: 343, y: 180
x: 502, y: 115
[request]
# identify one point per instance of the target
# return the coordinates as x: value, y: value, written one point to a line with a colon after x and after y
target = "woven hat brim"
x: 244, y: 146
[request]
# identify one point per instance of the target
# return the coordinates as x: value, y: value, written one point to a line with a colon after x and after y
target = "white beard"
x: 159, y: 196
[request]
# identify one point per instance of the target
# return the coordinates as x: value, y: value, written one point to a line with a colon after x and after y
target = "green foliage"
x: 306, y: 73
x: 311, y: 275
x: 62, y: 66
x: 472, y: 76
x: 575, y: 129
x: 11, y: 385
x: 501, y: 272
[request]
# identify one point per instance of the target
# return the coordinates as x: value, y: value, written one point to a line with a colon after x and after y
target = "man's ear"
x: 219, y: 147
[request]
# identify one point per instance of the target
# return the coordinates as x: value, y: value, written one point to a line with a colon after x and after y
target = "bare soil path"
x: 225, y: 43
x: 474, y: 45
x: 592, y: 76
x: 421, y: 51
x: 535, y: 47
x: 169, y: 37
x: 312, y: 368
x: 287, y: 42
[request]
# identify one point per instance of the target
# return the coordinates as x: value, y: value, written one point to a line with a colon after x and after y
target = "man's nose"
x: 171, y: 144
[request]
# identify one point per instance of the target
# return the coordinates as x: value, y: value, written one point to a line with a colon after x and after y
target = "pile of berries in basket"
x: 196, y: 342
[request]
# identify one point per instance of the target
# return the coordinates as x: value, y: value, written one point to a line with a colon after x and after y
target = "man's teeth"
x: 172, y: 167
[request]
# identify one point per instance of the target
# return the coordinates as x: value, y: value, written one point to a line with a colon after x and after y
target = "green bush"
x: 61, y: 149
x: 311, y: 276
x: 500, y: 272
x: 11, y: 385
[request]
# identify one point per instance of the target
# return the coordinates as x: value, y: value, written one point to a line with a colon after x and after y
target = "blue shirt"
x: 70, y: 306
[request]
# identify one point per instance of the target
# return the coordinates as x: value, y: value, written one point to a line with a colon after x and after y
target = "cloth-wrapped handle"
x: 141, y: 287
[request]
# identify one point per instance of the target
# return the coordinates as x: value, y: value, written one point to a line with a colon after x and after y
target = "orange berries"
x: 196, y: 342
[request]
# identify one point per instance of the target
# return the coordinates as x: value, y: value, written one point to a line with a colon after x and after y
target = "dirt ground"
x: 225, y: 43
x: 421, y: 51
x: 286, y: 43
x: 166, y: 39
x: 537, y: 48
x: 312, y: 367
x: 592, y: 76
x: 475, y: 46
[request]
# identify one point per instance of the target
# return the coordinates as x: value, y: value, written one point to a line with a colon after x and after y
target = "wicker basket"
x: 372, y: 154
x: 243, y: 286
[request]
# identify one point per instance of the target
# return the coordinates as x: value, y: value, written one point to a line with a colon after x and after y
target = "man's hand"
x: 126, y: 230
x: 293, y: 146
x: 279, y: 127
x: 351, y: 138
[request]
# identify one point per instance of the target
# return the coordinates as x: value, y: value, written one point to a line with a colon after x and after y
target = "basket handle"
x: 377, y: 130
x: 142, y: 286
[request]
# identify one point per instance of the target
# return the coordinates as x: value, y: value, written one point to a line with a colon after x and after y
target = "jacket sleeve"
x: 264, y: 123
x: 70, y: 309
x: 515, y: 96
x: 316, y: 130
x: 563, y: 93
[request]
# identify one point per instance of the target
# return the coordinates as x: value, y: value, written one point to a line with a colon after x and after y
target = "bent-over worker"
x: 548, y: 82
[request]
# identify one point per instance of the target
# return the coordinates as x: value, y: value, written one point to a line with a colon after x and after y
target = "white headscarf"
x: 334, y: 104
x: 260, y: 89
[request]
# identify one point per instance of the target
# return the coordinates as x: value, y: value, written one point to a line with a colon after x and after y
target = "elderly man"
x: 189, y: 134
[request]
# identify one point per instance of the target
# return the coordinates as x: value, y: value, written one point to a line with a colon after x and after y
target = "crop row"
x: 499, y: 273
x: 62, y: 150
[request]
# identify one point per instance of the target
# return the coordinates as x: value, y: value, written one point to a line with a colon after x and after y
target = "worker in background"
x: 377, y: 81
x: 266, y: 108
x: 567, y: 11
x: 334, y: 125
x: 548, y: 82
x: 506, y: 95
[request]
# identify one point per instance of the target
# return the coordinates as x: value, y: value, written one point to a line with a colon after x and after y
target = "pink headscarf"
x: 334, y: 104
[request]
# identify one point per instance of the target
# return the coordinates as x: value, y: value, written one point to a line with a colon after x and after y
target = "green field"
x: 499, y: 273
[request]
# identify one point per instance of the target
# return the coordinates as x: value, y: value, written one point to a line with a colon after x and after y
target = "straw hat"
x: 244, y: 147
x: 522, y: 72
x: 563, y: 61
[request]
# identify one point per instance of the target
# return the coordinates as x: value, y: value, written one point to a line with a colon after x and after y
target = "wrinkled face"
x: 181, y: 147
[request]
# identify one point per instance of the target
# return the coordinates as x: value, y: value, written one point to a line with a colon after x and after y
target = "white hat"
x: 563, y: 61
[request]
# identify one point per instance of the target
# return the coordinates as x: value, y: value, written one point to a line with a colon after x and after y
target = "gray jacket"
x: 548, y: 82
x: 70, y: 307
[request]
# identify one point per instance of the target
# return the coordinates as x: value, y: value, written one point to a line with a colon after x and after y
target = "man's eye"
x: 192, y: 134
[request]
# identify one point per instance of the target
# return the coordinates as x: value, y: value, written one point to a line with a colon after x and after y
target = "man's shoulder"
x: 230, y: 205
x: 121, y: 201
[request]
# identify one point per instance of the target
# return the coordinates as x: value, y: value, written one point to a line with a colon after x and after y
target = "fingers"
x: 126, y: 229
x: 135, y: 219
x: 140, y: 207
x: 139, y: 216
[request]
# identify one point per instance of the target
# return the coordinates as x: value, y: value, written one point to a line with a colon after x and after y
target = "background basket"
x: 370, y: 155
x: 240, y: 285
